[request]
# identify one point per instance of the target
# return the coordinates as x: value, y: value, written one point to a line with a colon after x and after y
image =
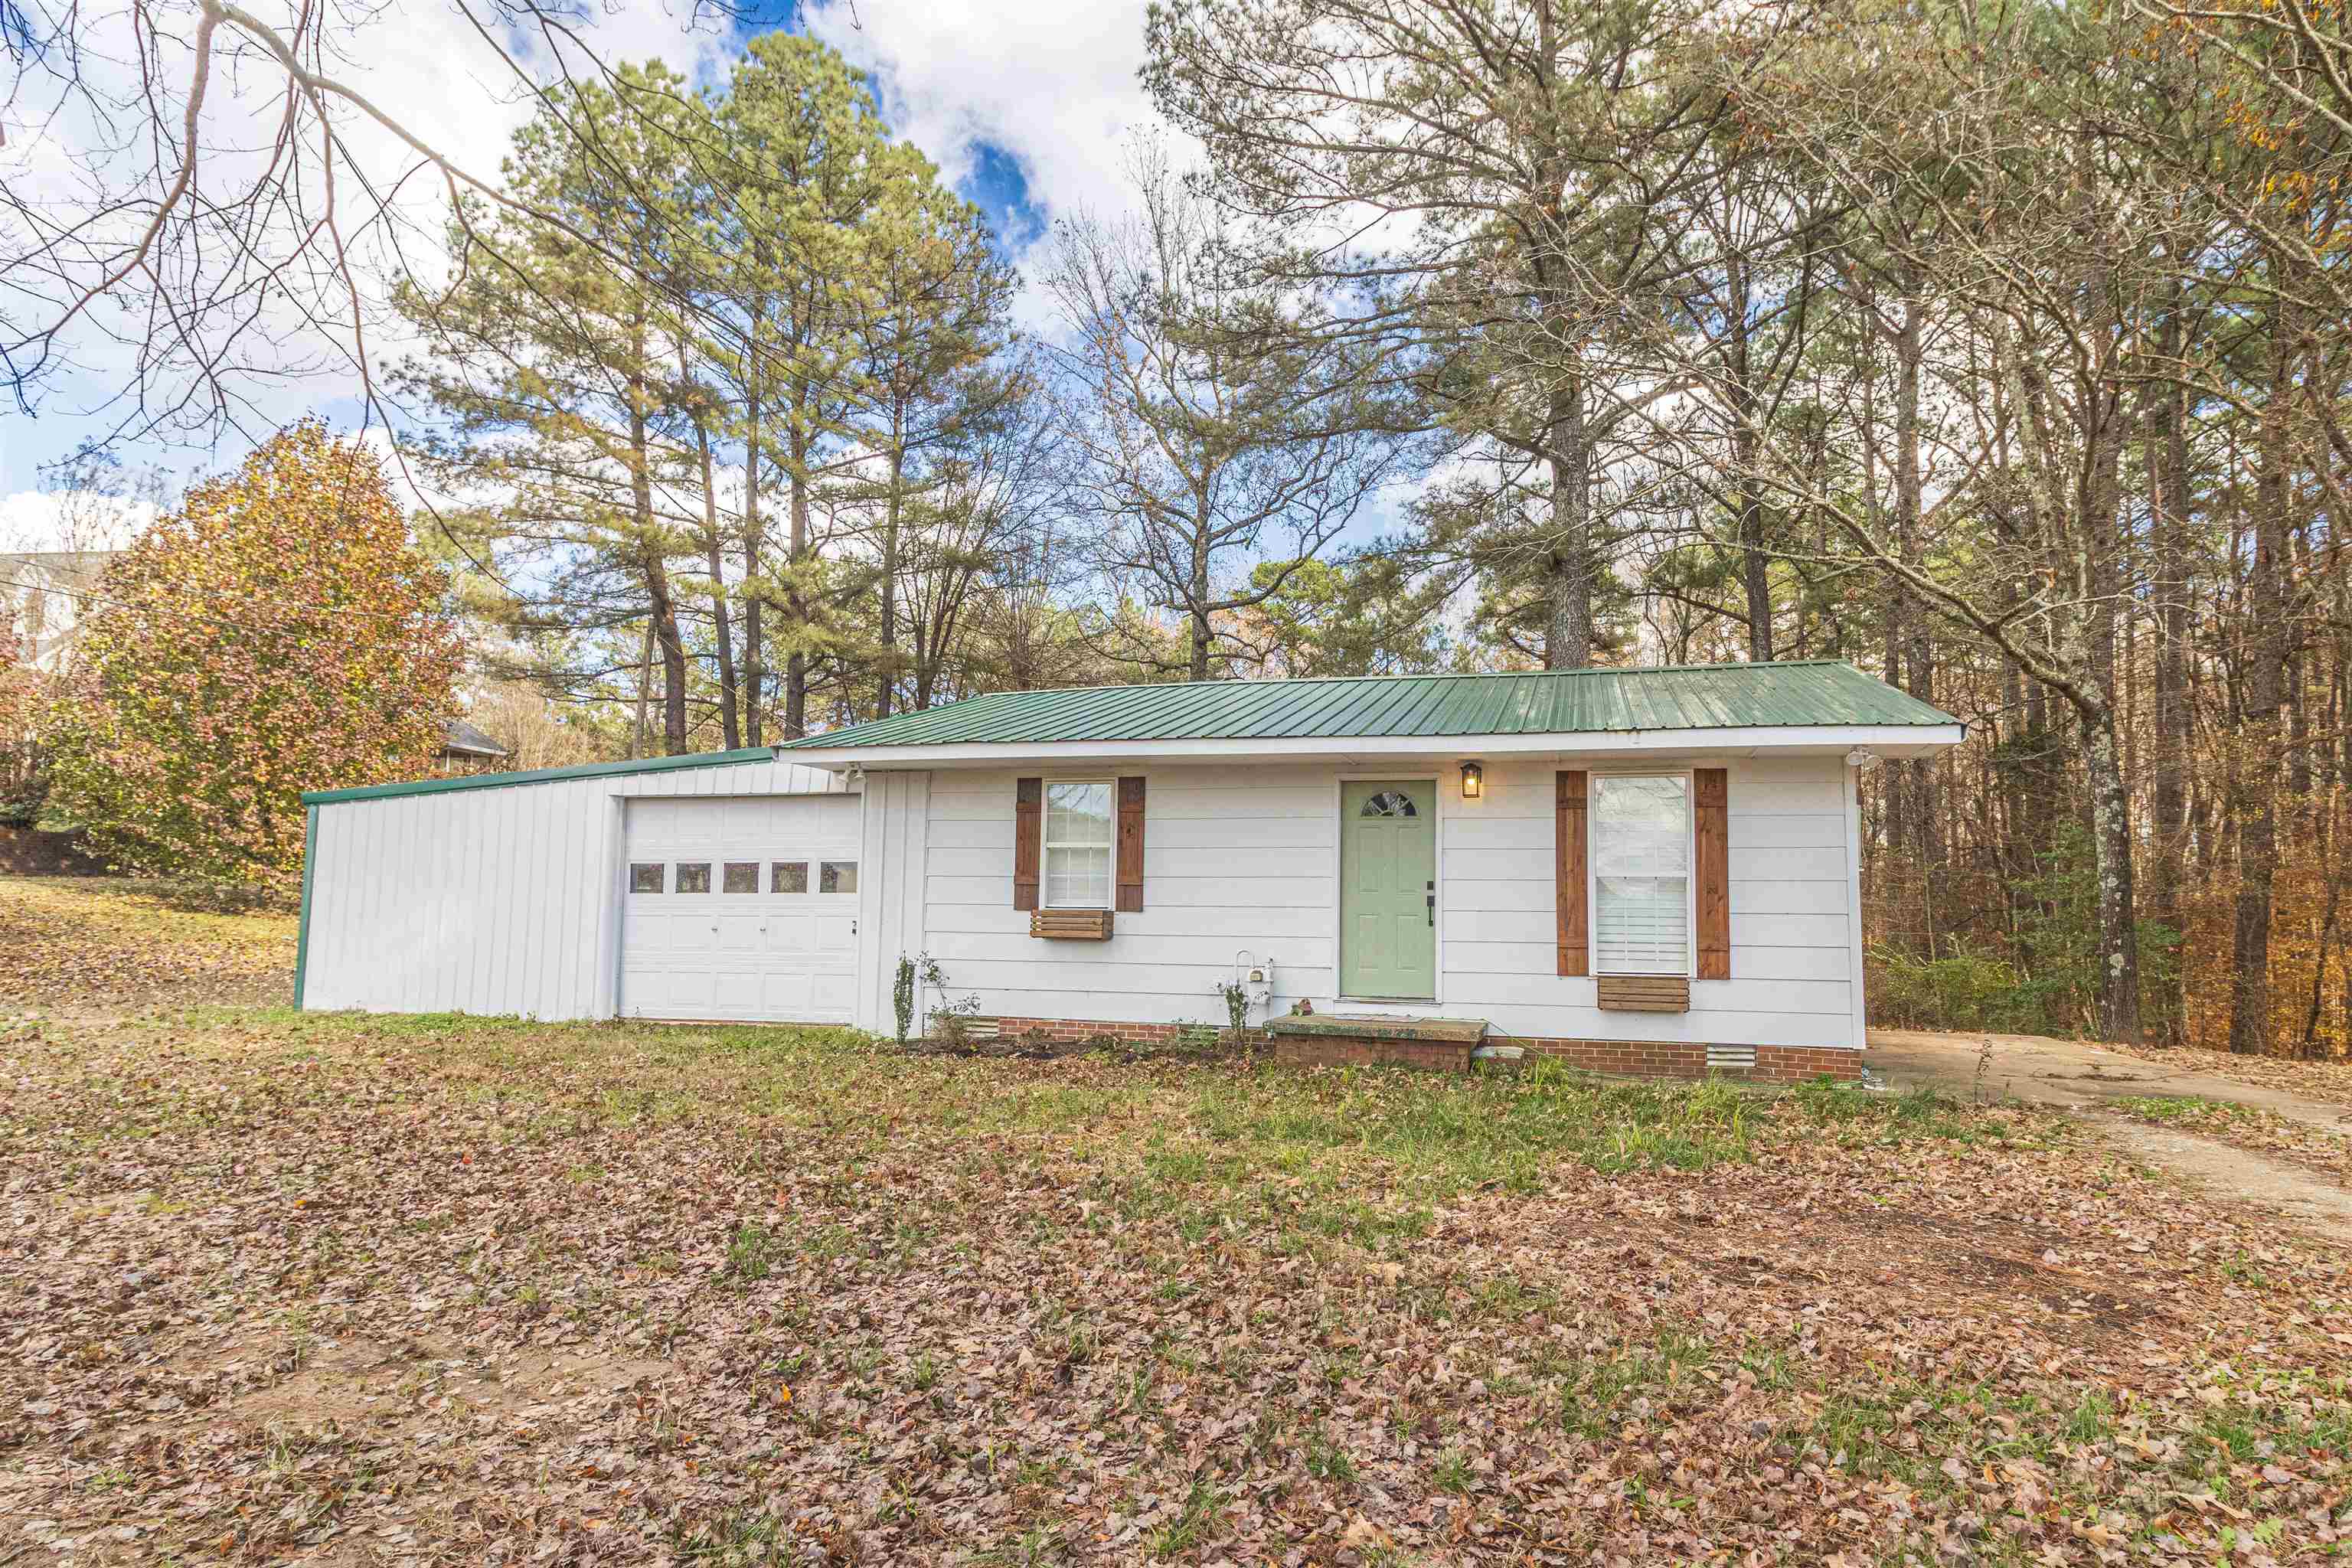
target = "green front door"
x: 1388, y: 883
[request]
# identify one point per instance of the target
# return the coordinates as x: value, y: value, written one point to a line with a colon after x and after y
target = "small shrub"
x: 952, y: 1019
x: 902, y: 996
x: 1236, y: 999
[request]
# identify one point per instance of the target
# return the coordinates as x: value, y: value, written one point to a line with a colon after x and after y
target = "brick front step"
x: 1331, y: 1051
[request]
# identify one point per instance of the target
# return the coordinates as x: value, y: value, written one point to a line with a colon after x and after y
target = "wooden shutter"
x: 1567, y: 832
x: 1028, y: 839
x: 1130, y: 846
x: 1711, y: 830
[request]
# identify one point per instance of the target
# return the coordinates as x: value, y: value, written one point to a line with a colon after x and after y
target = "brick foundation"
x: 1088, y: 1029
x: 1675, y: 1059
x: 1631, y: 1058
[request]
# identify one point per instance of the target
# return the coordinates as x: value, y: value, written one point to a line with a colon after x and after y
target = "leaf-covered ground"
x: 2249, y: 1127
x: 444, y: 1291
x: 72, y: 944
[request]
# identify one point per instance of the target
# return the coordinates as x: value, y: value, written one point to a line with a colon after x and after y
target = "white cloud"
x: 425, y: 65
x: 1052, y: 82
x: 71, y: 520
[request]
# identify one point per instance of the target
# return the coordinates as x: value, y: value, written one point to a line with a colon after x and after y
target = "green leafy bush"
x: 2042, y: 980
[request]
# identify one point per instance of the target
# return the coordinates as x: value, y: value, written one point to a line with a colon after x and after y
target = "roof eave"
x: 1890, y: 740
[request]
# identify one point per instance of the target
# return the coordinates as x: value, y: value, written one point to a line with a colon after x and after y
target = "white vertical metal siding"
x: 890, y: 916
x: 493, y: 900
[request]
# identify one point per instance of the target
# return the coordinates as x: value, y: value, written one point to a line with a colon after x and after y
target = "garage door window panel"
x: 646, y: 875
x: 1078, y: 843
x: 837, y: 877
x: 787, y: 876
x: 741, y: 876
x: 694, y: 876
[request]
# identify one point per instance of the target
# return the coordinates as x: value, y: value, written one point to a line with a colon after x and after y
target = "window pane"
x: 1077, y: 812
x: 789, y: 877
x: 1641, y: 827
x: 644, y: 875
x: 1390, y: 803
x: 1078, y: 878
x: 742, y: 877
x: 694, y: 876
x: 837, y: 877
x: 1641, y: 875
x: 1641, y: 922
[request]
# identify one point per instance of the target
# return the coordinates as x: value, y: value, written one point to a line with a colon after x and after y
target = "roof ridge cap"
x: 1409, y: 675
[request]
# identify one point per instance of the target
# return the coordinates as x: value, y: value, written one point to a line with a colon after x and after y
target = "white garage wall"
x: 491, y: 901
x: 1246, y: 858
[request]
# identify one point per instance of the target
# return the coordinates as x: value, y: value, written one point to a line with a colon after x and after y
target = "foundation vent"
x: 1730, y: 1058
x: 981, y: 1028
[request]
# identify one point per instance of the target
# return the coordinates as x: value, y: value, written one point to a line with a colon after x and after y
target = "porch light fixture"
x: 1474, y: 781
x: 1861, y: 758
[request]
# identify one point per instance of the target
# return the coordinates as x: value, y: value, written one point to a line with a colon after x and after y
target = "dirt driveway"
x: 2091, y: 1081
x: 2072, y: 1073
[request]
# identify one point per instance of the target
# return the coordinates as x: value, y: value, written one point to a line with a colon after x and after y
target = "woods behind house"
x: 2000, y: 350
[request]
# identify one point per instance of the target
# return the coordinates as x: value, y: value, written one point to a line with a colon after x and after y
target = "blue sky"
x: 1024, y: 104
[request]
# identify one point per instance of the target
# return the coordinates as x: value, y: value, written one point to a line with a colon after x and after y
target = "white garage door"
x: 742, y: 909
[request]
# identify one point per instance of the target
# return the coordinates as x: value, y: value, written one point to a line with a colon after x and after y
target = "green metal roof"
x: 1566, y: 701
x: 539, y: 776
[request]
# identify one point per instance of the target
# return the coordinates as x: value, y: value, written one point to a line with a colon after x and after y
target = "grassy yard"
x: 444, y: 1289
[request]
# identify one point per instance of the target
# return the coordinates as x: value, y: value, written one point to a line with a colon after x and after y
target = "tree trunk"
x: 2166, y: 445
x: 639, y: 738
x: 1197, y: 595
x: 2269, y: 643
x: 887, y: 686
x: 1918, y: 634
x: 2111, y: 861
x: 728, y: 729
x: 1569, y: 569
x: 673, y: 652
x: 795, y: 607
x: 664, y: 607
x: 1755, y: 566
x: 754, y: 598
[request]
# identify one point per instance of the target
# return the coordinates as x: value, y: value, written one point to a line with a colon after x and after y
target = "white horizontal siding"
x: 1247, y: 859
x: 491, y: 901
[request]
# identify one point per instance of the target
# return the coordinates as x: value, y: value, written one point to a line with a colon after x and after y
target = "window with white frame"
x: 1078, y: 843
x: 1641, y: 840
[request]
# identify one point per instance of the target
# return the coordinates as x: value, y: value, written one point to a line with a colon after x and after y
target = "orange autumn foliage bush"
x: 279, y: 633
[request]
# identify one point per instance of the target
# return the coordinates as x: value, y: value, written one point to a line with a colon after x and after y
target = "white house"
x: 43, y: 594
x: 1651, y: 870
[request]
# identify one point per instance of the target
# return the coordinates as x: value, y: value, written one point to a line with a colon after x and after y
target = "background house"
x: 465, y: 750
x: 42, y: 594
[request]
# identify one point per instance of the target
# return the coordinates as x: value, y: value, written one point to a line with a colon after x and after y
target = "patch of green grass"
x: 1326, y: 1460
x: 2168, y: 1109
x: 751, y: 1252
x: 1191, y: 1525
